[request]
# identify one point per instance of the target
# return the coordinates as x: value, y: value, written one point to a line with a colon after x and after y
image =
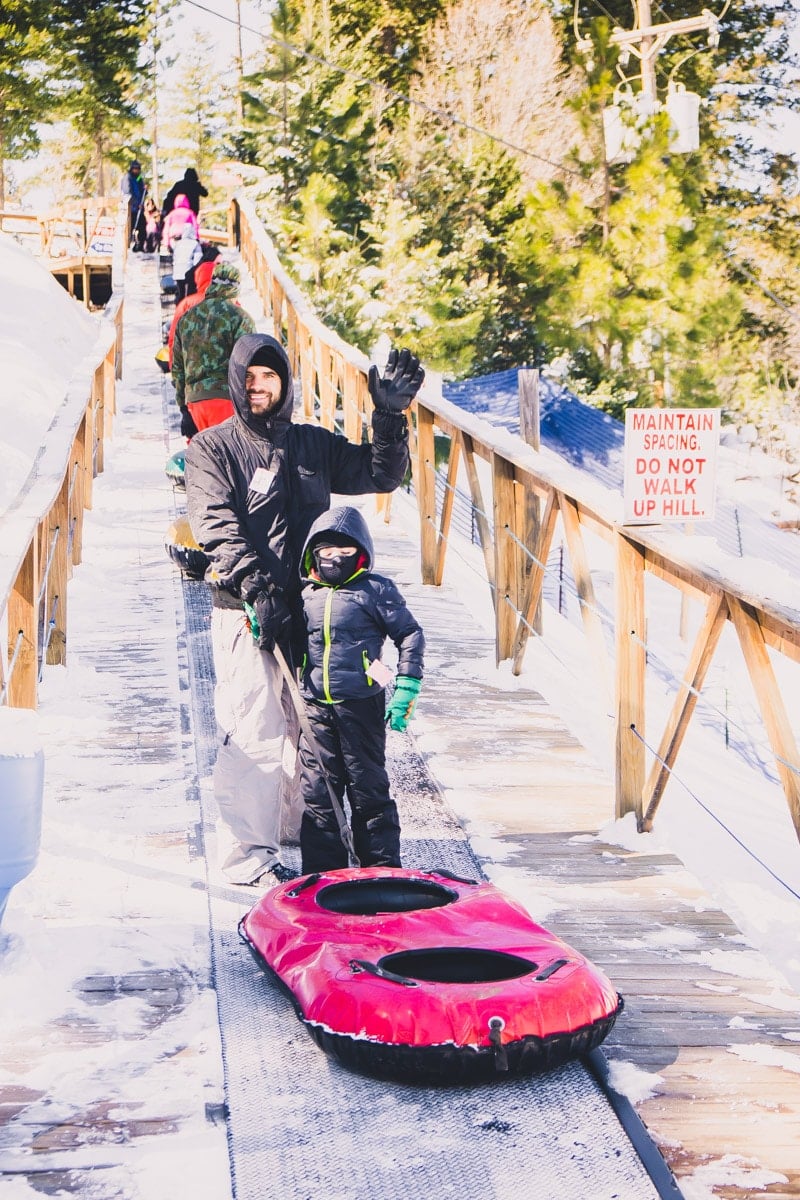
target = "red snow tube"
x: 423, y: 976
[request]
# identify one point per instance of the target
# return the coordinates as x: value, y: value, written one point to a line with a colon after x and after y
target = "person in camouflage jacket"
x: 204, y: 339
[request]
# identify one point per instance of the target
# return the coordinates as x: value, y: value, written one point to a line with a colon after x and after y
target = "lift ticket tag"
x: 262, y: 480
x: 380, y: 672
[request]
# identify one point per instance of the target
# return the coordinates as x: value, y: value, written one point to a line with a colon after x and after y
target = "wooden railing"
x: 526, y: 498
x: 42, y: 530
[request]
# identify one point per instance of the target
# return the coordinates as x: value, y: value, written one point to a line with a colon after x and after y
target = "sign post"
x: 670, y: 464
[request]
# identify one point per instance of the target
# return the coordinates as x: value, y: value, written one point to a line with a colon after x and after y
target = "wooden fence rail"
x: 519, y: 498
x: 42, y: 538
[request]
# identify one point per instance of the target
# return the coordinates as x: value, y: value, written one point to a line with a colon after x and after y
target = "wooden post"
x: 579, y: 560
x: 327, y: 385
x: 528, y: 388
x: 773, y: 709
x: 481, y: 520
x: 118, y: 349
x: 447, y: 509
x: 98, y: 404
x: 81, y: 481
x: 56, y: 591
x: 308, y: 371
x: 684, y: 705
x: 87, y: 440
x: 425, y: 486
x: 535, y: 582
x: 629, y: 767
x: 277, y: 308
x: 109, y: 394
x: 23, y: 619
x: 505, y: 556
x: 350, y: 415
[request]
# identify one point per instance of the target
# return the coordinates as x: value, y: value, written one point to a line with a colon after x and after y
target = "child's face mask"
x: 335, y: 564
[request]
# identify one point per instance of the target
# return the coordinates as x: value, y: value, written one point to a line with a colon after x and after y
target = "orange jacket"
x: 202, y: 277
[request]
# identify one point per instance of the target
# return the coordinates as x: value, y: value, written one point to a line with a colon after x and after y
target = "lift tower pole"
x: 648, y: 40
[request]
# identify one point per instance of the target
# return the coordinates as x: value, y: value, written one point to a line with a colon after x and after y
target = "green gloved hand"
x: 252, y: 620
x: 400, y: 708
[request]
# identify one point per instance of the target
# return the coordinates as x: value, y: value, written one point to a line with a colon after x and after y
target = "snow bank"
x: 19, y: 733
x: 44, y: 335
x: 631, y: 1081
x: 729, y: 1171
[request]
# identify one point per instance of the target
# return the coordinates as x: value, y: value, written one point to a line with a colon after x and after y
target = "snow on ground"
x: 38, y: 358
x: 731, y: 1171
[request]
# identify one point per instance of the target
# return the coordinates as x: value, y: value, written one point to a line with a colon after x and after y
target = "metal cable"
x: 714, y: 816
x: 394, y: 93
x: 11, y: 665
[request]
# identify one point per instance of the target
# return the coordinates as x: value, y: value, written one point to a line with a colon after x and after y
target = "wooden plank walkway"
x: 707, y: 1019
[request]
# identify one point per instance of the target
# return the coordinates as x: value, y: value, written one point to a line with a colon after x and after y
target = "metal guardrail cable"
x: 604, y: 617
x: 11, y: 665
x: 541, y: 639
x: 49, y: 563
x: 554, y: 575
x: 669, y: 676
x: 447, y: 118
x: 765, y: 751
x: 449, y: 487
x: 51, y: 624
x: 73, y: 479
x: 709, y: 812
x: 506, y: 599
x: 460, y: 557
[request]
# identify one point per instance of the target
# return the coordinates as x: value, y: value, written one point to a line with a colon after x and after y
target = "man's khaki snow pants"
x: 251, y: 727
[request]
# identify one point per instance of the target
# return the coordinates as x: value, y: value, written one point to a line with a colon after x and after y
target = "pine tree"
x: 26, y: 79
x: 199, y: 109
x: 100, y: 44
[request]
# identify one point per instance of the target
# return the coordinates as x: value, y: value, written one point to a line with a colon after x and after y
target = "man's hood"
x: 242, y: 355
x: 225, y: 281
x: 345, y: 522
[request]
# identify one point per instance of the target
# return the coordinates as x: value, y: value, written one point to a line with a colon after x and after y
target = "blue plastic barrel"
x: 21, y: 791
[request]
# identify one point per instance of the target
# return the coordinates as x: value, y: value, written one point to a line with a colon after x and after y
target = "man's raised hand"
x: 401, y: 380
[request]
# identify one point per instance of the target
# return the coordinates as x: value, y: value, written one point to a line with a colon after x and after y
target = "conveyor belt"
x: 301, y: 1127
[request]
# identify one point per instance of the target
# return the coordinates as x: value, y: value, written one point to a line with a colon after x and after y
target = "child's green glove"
x: 400, y: 708
x: 252, y: 620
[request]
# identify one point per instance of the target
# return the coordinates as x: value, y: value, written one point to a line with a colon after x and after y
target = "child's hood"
x: 344, y: 522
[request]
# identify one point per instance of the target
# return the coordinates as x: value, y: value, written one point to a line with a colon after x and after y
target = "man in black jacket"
x: 190, y: 186
x: 255, y: 484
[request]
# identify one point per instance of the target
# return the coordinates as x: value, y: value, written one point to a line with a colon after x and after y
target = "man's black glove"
x: 188, y: 427
x: 402, y: 378
x: 269, y: 619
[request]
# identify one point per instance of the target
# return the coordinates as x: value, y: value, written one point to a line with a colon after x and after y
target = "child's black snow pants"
x: 351, y: 742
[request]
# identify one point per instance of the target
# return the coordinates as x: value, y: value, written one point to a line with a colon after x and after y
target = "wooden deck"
x: 705, y: 1014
